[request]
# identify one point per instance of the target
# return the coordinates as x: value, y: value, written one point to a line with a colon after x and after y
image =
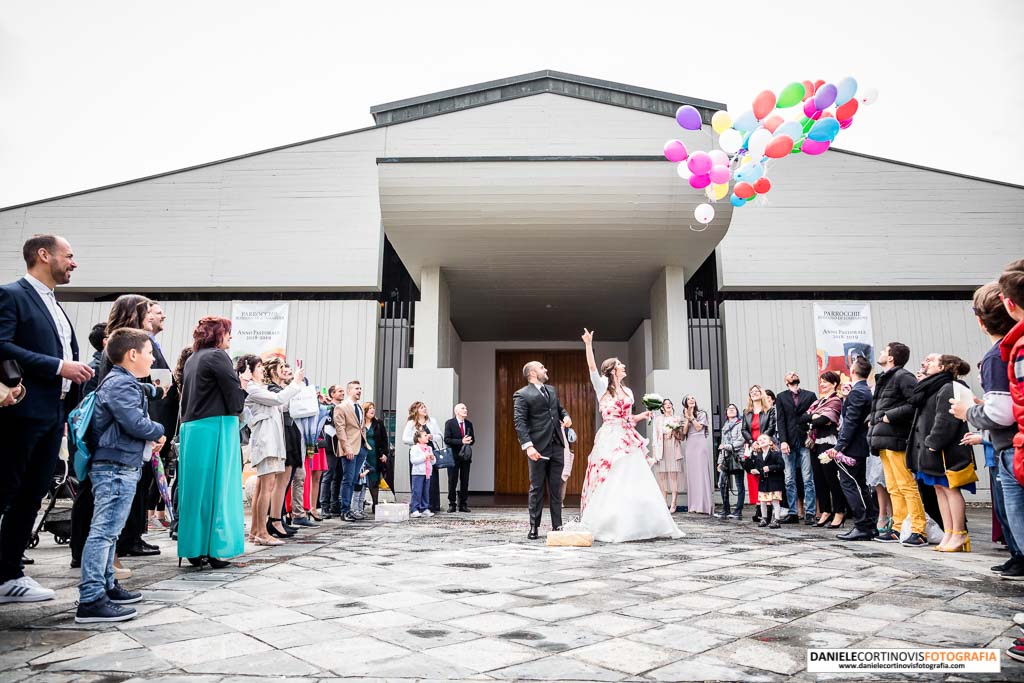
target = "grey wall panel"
x: 304, y: 217
x: 914, y: 228
x: 337, y: 340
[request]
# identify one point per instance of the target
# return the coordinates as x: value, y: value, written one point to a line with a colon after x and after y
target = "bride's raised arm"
x: 588, y: 343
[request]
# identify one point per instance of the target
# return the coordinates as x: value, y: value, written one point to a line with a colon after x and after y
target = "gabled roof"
x: 547, y: 81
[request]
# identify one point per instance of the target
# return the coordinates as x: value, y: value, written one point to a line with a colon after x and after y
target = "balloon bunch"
x: 762, y: 134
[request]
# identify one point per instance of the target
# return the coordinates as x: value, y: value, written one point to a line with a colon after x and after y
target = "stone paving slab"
x: 467, y: 597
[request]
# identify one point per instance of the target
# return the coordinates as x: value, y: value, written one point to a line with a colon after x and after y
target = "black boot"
x: 533, y: 535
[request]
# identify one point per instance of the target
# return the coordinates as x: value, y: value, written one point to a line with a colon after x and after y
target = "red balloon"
x: 847, y: 110
x: 773, y: 122
x: 778, y: 148
x: 762, y: 185
x: 818, y: 84
x: 808, y: 88
x: 826, y: 115
x: 843, y: 125
x: 763, y: 104
x: 743, y: 190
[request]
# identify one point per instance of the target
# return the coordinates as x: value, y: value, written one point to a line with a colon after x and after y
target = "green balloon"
x: 797, y: 146
x: 806, y: 123
x: 791, y: 95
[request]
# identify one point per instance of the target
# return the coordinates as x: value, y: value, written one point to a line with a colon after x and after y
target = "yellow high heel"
x: 965, y: 548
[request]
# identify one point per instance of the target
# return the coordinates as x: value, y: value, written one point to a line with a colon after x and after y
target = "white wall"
x: 337, y: 340
x: 438, y: 388
x: 477, y: 387
x: 914, y: 228
x: 303, y: 218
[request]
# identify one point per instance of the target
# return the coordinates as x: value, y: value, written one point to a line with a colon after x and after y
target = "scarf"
x: 927, y: 388
x: 831, y: 407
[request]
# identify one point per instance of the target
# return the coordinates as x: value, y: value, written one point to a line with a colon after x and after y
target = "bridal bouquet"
x: 652, y: 402
x: 674, y: 427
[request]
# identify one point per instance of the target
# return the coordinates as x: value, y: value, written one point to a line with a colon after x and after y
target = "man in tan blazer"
x: 352, y: 446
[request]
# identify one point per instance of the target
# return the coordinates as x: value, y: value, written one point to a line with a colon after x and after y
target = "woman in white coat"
x: 419, y: 418
x: 267, y: 452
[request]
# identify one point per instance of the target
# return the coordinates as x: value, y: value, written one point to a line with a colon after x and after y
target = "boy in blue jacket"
x: 121, y: 435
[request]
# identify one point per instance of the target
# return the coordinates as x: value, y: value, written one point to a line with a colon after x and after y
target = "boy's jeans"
x: 349, y: 477
x: 420, y: 493
x: 113, y: 488
x: 803, y: 456
x: 1013, y: 495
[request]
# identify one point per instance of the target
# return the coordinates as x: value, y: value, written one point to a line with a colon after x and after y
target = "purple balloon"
x: 825, y: 97
x: 688, y: 117
x: 700, y: 181
x: 699, y: 163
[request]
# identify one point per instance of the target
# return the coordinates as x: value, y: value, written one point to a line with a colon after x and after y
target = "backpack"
x: 79, y: 420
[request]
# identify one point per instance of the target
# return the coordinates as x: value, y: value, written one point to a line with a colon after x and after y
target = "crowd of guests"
x: 893, y: 460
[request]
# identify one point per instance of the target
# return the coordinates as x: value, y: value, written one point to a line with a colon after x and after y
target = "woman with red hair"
x: 211, y: 519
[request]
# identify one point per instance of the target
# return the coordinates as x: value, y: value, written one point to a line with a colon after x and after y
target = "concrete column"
x: 669, y: 330
x: 433, y: 313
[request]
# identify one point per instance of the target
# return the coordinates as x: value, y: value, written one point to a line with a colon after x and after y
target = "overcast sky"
x: 98, y: 92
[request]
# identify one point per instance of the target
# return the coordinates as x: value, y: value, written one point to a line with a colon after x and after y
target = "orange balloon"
x: 743, y: 190
x: 847, y: 111
x: 763, y: 104
x: 762, y: 185
x: 779, y: 147
x: 773, y: 122
x: 827, y: 115
x: 808, y: 89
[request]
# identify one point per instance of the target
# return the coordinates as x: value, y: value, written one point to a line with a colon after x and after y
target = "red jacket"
x: 1012, y: 351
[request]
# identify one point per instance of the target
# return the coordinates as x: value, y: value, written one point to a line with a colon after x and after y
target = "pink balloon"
x: 699, y: 164
x: 700, y: 181
x: 720, y: 174
x: 675, y: 151
x: 809, y: 108
x: 718, y: 157
x: 813, y: 147
x: 843, y: 125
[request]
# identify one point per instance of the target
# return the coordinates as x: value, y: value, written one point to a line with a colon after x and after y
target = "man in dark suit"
x: 851, y: 454
x: 35, y: 332
x: 539, y: 418
x: 459, y: 436
x: 789, y: 406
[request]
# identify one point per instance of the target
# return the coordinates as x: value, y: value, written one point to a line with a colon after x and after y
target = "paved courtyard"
x: 467, y: 597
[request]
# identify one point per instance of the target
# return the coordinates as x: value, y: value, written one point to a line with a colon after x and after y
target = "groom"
x: 539, y: 418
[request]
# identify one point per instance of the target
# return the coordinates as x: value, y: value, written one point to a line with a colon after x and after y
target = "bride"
x: 621, y: 498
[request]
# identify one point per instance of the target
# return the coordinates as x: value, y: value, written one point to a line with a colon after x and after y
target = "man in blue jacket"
x: 121, y: 436
x: 851, y: 454
x: 35, y: 332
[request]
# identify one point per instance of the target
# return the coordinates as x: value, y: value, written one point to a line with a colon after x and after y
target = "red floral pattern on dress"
x: 617, y: 415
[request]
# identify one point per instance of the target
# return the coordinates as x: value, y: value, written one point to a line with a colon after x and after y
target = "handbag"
x: 961, y: 477
x: 304, y: 403
x: 10, y: 373
x: 443, y: 458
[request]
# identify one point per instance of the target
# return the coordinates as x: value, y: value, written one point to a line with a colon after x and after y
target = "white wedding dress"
x: 621, y: 498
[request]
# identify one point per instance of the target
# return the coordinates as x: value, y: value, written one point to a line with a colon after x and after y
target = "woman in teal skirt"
x: 211, y: 521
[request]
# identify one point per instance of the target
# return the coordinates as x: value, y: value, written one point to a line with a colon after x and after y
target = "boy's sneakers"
x: 1016, y: 652
x: 102, y: 610
x: 428, y: 513
x: 915, y: 540
x: 888, y: 537
x: 120, y: 596
x: 24, y: 589
x: 416, y: 515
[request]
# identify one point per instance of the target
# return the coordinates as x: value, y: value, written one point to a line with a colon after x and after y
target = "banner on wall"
x: 842, y: 332
x: 259, y: 327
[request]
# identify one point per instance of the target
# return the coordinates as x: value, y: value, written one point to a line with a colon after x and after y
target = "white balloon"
x: 683, y: 170
x: 869, y: 95
x: 758, y: 141
x: 704, y: 213
x: 730, y: 141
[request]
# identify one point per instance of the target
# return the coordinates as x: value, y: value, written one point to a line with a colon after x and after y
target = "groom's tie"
x: 544, y: 391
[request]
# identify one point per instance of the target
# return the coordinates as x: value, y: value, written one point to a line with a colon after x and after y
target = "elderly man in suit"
x: 459, y: 436
x: 851, y: 454
x: 539, y: 417
x: 352, y: 446
x: 35, y: 332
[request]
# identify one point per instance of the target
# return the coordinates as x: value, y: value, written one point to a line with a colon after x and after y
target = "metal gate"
x: 394, y: 333
x: 707, y: 351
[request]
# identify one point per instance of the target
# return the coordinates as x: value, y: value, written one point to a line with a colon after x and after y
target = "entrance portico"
x: 522, y: 255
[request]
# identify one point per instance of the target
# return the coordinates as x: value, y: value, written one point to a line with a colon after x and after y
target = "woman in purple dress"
x: 697, y: 455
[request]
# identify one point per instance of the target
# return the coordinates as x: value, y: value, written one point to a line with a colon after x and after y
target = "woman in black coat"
x: 934, y: 446
x: 822, y: 419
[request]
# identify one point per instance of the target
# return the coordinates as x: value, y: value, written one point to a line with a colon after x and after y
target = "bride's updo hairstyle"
x: 608, y: 372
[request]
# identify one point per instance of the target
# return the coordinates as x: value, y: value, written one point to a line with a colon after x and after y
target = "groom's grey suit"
x: 538, y: 414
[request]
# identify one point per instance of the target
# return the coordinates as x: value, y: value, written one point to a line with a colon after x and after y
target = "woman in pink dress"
x: 667, y: 450
x: 700, y: 495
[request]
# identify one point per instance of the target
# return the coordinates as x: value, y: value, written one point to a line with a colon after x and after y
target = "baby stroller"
x: 56, y: 517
